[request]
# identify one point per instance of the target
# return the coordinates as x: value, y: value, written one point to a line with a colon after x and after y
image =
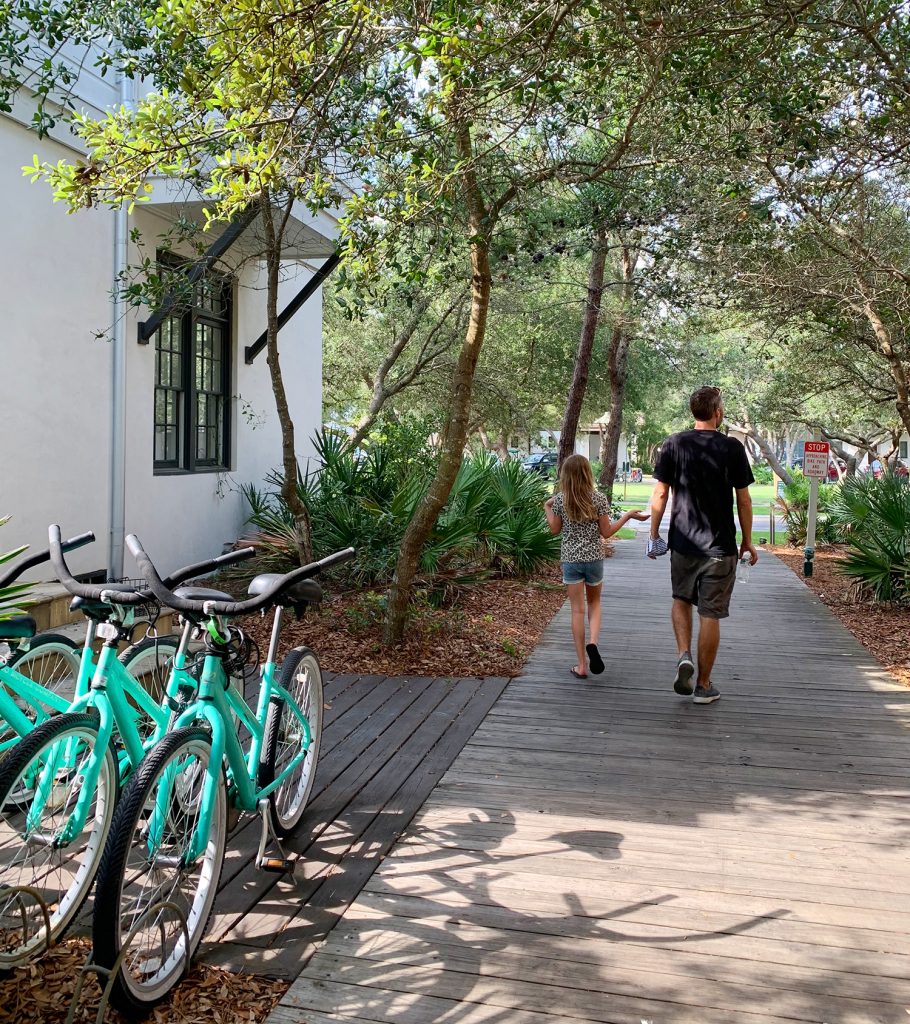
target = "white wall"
x: 55, y: 280
x: 56, y: 274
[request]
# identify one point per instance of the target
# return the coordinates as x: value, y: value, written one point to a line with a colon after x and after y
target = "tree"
x: 250, y: 113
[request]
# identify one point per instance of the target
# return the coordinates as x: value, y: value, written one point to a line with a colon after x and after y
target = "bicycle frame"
x: 14, y: 684
x: 219, y: 704
x: 111, y: 690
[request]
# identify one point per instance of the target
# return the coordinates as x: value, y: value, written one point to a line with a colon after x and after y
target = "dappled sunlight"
x: 617, y: 853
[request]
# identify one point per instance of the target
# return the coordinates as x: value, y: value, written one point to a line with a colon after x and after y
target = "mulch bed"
x: 883, y: 630
x: 43, y: 993
x: 489, y: 631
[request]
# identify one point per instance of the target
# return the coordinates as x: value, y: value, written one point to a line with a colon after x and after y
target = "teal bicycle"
x: 160, y: 870
x: 41, y: 675
x: 37, y: 673
x: 60, y: 783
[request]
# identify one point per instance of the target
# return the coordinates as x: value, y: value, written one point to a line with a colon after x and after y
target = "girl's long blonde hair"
x: 576, y: 481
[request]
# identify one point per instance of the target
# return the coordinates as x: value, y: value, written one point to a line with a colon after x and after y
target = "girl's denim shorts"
x: 590, y: 573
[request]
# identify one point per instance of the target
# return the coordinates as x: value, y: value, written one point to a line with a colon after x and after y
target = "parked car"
x: 543, y: 463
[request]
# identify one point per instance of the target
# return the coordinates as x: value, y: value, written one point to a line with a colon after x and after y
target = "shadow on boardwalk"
x: 607, y: 851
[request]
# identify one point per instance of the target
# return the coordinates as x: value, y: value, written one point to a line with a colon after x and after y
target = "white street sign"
x: 815, y: 459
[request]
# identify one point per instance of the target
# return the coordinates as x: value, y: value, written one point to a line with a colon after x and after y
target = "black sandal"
x: 595, y: 660
x: 577, y: 675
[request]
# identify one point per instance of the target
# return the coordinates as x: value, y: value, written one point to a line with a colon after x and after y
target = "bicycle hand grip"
x: 204, y: 568
x: 76, y: 542
x: 224, y: 607
x: 44, y: 556
x: 90, y: 593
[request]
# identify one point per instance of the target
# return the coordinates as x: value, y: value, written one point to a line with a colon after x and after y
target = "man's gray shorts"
x: 705, y: 582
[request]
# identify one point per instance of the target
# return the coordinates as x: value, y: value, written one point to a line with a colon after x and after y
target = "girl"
x: 582, y: 515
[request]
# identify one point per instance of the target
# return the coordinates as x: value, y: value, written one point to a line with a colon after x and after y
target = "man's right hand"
x: 749, y: 549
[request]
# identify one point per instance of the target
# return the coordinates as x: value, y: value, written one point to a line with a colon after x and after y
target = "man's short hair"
x: 705, y: 402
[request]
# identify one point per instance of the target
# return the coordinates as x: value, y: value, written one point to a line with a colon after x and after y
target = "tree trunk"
x: 618, y: 363
x: 303, y: 533
x: 380, y: 392
x: 618, y: 369
x: 765, y: 448
x: 456, y: 427
x: 502, y: 447
x: 895, y: 364
x: 589, y: 323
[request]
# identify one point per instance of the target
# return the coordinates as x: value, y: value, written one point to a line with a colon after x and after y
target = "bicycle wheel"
x: 34, y: 851
x: 143, y: 865
x: 150, y: 661
x: 301, y: 676
x: 52, y: 660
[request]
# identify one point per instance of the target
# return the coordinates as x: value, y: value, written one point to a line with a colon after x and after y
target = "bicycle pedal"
x: 277, y: 865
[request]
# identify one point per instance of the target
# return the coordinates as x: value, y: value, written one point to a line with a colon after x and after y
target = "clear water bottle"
x: 744, y: 569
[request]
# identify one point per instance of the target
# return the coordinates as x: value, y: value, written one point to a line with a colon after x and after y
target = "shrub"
x: 10, y: 597
x: 794, y: 506
x: 763, y: 473
x: 493, y: 522
x: 874, y: 516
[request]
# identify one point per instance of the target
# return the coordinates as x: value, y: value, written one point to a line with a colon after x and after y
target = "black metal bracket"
x: 215, y: 251
x: 291, y: 308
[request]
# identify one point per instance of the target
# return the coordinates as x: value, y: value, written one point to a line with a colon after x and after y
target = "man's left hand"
x: 751, y: 550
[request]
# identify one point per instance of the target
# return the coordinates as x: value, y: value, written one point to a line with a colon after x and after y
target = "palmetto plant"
x: 874, y: 516
x: 10, y: 597
x: 492, y: 524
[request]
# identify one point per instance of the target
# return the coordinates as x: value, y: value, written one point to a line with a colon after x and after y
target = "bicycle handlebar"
x: 45, y: 556
x: 254, y: 604
x: 102, y: 592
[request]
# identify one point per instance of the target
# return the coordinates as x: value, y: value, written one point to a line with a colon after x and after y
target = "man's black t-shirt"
x: 703, y: 467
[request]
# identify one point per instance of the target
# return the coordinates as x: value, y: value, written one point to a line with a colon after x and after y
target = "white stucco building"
x: 588, y: 441
x: 116, y: 435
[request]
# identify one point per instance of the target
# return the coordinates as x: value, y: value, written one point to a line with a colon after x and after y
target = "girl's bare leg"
x: 593, y: 596
x: 577, y: 602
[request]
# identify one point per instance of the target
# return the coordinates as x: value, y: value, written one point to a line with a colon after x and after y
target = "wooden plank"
x: 250, y: 891
x: 611, y: 851
x: 386, y: 806
x: 662, y: 920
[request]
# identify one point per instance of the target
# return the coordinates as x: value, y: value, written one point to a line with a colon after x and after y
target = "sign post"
x: 815, y: 467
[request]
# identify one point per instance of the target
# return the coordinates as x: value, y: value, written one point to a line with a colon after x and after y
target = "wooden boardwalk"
x: 607, y: 851
x: 386, y: 743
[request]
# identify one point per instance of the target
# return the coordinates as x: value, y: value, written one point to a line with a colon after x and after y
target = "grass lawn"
x: 780, y: 537
x: 640, y: 494
x: 624, y: 534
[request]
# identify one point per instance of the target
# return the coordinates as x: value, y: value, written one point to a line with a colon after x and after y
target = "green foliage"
x: 492, y: 524
x: 10, y: 603
x: 794, y: 506
x: 874, y: 515
x: 763, y: 473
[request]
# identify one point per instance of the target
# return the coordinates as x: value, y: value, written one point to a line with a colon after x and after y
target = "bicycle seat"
x: 19, y: 627
x: 202, y: 594
x: 304, y: 592
x: 90, y: 607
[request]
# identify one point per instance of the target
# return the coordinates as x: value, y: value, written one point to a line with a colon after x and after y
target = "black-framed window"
x: 192, y: 381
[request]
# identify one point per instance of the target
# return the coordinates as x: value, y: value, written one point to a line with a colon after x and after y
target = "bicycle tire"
x: 33, y: 663
x: 288, y: 802
x: 63, y: 875
x: 122, y: 898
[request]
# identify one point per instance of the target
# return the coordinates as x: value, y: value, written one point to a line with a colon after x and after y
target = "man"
x: 703, y: 468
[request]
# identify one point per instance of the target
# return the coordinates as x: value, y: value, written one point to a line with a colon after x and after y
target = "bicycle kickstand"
x: 282, y: 865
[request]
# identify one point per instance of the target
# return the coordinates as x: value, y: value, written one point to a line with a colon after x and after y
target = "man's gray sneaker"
x: 685, y: 669
x: 706, y: 695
